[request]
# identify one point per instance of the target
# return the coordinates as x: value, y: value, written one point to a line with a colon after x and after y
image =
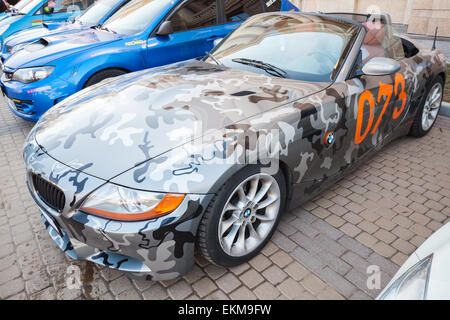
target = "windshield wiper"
x: 262, y: 65
x: 210, y: 55
x: 106, y: 29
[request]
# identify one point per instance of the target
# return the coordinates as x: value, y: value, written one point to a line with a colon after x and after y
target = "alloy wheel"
x: 249, y: 214
x: 431, y: 107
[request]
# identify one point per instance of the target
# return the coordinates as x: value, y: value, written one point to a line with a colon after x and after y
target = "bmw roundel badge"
x: 329, y: 139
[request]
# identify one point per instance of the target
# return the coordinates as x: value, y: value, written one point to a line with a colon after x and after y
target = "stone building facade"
x: 421, y: 16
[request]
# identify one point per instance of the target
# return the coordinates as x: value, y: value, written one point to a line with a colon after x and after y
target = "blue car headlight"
x: 28, y: 75
x: 412, y: 285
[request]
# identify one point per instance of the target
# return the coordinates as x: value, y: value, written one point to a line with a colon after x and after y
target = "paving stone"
x: 9, y: 273
x: 307, y: 259
x: 385, y: 236
x: 217, y: 295
x: 180, y: 290
x: 130, y: 294
x: 385, y: 264
x: 228, y: 282
x: 327, y: 230
x: 403, y: 246
x: 281, y: 259
x: 360, y: 280
x: 313, y: 284
x: 68, y: 294
x: 251, y: 278
x: 11, y: 287
x: 330, y: 294
x: 355, y: 246
x: 350, y: 229
x: 359, y: 295
x: 155, y: 292
x: 269, y: 249
x: 296, y: 271
x: 338, y: 282
x: 243, y: 293
x: 240, y: 269
x: 266, y: 291
x: 283, y: 242
x: 119, y: 285
x: 46, y: 294
x: 204, y: 286
x: 196, y: 274
x: 274, y: 274
x: 214, y: 271
x: 292, y: 290
x: 260, y: 262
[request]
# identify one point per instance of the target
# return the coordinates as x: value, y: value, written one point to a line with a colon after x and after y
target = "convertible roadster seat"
x: 373, y: 42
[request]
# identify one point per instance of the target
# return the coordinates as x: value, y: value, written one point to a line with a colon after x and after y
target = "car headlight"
x: 17, y: 47
x: 28, y: 75
x: 412, y: 285
x: 4, y: 28
x: 120, y: 203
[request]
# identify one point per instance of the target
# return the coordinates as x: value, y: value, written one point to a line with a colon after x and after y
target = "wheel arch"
x: 89, y: 76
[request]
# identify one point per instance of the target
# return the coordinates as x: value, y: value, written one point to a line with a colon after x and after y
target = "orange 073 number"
x: 386, y: 90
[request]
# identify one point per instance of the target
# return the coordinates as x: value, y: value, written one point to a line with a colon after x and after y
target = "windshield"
x: 96, y: 11
x: 135, y: 16
x: 301, y: 47
x: 26, y: 6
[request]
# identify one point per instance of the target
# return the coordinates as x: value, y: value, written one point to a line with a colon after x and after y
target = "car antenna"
x: 435, y: 36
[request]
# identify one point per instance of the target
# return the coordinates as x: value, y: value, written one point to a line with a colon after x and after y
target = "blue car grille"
x: 24, y: 106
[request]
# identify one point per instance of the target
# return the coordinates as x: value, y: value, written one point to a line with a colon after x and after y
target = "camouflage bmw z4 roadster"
x: 136, y: 172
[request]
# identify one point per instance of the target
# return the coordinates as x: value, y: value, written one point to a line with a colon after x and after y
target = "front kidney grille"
x: 49, y: 193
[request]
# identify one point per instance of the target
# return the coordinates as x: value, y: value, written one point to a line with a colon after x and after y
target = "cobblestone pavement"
x: 376, y: 216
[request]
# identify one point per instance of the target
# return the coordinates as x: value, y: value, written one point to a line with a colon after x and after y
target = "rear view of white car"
x: 425, y: 275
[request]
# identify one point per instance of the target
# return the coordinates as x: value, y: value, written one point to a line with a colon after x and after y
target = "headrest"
x: 375, y: 33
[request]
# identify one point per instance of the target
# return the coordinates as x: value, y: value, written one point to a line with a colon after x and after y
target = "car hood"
x: 37, y: 33
x: 59, y: 45
x: 10, y: 19
x: 120, y: 123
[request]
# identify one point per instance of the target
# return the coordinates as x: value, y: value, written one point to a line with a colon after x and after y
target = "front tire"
x: 429, y: 109
x: 242, y: 217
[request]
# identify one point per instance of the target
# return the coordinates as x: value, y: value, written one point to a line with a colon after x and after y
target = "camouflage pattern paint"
x: 188, y: 127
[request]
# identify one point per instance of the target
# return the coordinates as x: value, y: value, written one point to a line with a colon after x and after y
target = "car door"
x: 383, y: 104
x: 359, y: 113
x: 195, y: 26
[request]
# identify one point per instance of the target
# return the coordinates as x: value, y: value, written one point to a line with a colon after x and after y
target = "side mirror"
x: 165, y: 29
x: 380, y: 66
x: 71, y: 19
x: 48, y: 9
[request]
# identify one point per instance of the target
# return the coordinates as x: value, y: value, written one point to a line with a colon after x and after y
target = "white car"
x: 426, y: 273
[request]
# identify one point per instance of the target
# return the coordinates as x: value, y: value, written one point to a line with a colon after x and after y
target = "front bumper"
x: 31, y: 100
x: 157, y: 249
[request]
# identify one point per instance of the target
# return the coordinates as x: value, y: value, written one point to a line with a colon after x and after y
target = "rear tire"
x: 232, y: 236
x: 102, y: 75
x: 429, y: 109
